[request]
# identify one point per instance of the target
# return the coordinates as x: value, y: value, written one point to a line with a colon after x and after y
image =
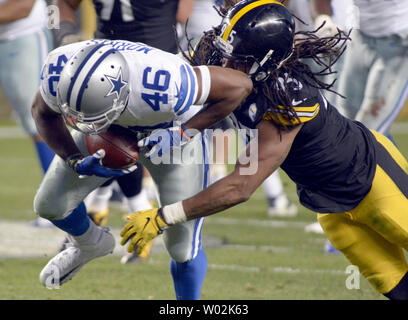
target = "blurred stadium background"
x: 250, y: 256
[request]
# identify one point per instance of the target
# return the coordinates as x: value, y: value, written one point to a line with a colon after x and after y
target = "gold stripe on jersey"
x: 241, y: 12
x: 304, y: 114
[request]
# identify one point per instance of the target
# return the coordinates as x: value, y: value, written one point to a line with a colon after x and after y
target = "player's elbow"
x: 244, y: 86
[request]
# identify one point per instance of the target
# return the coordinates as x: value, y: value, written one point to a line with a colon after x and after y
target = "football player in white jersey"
x: 24, y: 44
x: 121, y: 19
x: 94, y: 84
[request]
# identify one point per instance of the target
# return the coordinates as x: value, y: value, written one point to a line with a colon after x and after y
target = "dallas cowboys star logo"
x: 117, y: 84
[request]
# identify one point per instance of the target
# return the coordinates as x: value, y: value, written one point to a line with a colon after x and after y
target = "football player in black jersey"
x: 151, y: 22
x: 354, y: 178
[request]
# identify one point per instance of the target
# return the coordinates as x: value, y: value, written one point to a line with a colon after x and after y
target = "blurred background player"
x: 24, y: 44
x: 374, y: 78
x: 202, y: 18
x: 334, y: 14
x: 151, y: 22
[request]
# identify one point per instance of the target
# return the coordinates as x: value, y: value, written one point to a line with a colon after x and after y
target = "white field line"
x: 12, y: 133
x: 255, y: 269
x: 20, y: 239
x: 241, y: 247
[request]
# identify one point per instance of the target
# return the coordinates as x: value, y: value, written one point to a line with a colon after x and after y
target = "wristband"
x: 72, y: 160
x: 205, y: 85
x: 174, y: 213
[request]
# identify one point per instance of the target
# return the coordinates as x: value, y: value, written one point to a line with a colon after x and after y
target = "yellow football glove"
x: 143, y: 227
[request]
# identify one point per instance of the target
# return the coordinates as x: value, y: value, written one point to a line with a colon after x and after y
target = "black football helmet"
x: 258, y: 33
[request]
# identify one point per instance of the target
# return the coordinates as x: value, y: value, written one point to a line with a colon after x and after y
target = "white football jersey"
x: 163, y: 87
x: 380, y: 18
x: 36, y: 20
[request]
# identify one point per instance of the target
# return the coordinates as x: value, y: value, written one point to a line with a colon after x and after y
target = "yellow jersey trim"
x: 304, y: 114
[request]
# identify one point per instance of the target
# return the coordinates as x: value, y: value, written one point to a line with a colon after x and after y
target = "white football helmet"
x: 93, y: 89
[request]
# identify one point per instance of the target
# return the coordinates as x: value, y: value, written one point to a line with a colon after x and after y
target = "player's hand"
x: 161, y: 141
x: 92, y: 166
x: 143, y: 226
x: 329, y: 29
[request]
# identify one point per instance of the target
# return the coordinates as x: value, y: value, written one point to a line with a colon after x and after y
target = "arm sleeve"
x: 205, y: 84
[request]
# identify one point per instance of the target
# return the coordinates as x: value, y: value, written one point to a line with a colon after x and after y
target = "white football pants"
x: 61, y: 190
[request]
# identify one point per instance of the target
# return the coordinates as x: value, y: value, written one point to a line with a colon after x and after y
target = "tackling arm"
x: 273, y: 148
x: 229, y: 88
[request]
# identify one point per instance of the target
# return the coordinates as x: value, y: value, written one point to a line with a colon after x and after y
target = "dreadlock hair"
x: 273, y: 94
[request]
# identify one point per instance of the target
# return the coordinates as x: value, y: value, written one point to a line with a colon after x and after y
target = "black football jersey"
x: 332, y: 159
x: 147, y: 21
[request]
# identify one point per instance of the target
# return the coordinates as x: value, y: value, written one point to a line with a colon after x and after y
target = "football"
x: 120, y: 145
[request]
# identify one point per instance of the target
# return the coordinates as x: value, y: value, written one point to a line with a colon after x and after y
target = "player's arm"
x: 67, y: 32
x: 228, y: 88
x: 222, y: 89
x: 273, y: 146
x: 272, y: 149
x: 52, y: 129
x: 12, y: 10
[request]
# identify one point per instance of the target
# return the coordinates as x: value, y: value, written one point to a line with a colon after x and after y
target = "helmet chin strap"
x: 256, y: 65
x: 263, y: 75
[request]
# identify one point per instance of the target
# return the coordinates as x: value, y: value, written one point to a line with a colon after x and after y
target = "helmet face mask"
x: 259, y: 34
x: 91, y: 125
x: 93, y: 90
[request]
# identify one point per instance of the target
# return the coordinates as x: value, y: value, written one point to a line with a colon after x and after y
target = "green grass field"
x: 258, y: 258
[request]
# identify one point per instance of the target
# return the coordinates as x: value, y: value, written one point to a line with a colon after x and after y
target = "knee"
x: 179, y: 253
x: 45, y: 209
x: 180, y: 241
